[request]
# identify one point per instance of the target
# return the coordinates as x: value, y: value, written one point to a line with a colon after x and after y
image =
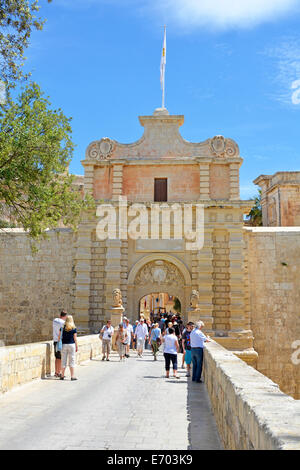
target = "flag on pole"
x: 163, y: 61
x: 163, y: 65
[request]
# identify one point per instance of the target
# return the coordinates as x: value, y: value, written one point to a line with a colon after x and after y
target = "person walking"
x: 121, y: 341
x: 129, y: 330
x: 147, y: 339
x: 171, y: 348
x: 161, y: 324
x: 58, y: 324
x: 155, y: 339
x: 106, y: 335
x: 197, y: 339
x: 186, y: 346
x: 141, y: 332
x: 133, y: 335
x: 69, y: 346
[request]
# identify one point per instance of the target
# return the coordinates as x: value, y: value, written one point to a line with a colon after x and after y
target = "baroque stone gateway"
x: 244, y: 283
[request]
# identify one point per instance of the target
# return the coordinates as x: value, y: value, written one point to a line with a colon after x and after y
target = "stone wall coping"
x: 274, y: 413
x: 272, y: 229
x: 20, y: 364
x: 80, y: 339
x: 21, y: 230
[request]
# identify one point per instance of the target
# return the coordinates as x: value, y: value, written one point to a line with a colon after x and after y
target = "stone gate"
x: 162, y: 168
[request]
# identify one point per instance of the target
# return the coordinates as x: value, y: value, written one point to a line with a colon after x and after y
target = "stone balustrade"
x: 23, y: 363
x: 250, y: 410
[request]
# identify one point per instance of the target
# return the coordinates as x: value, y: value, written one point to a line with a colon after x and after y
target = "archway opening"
x: 155, y: 304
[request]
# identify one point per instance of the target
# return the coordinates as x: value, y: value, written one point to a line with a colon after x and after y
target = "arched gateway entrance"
x: 158, y: 273
x: 155, y: 304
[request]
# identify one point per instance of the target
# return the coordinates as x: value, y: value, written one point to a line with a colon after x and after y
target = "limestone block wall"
x: 23, y: 363
x: 274, y: 292
x: 250, y: 410
x: 34, y: 288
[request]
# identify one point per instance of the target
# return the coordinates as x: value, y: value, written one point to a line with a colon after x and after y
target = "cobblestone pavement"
x: 113, y: 405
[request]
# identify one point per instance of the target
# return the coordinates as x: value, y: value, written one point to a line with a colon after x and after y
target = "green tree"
x: 35, y: 151
x: 17, y: 21
x: 255, y: 215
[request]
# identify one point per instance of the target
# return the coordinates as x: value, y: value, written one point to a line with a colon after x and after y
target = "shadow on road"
x: 202, y: 429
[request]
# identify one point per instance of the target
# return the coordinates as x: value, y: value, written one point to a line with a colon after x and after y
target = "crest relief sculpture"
x: 159, y: 272
x: 221, y: 147
x: 100, y: 149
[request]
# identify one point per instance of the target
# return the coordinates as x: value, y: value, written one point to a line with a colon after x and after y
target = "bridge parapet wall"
x: 250, y: 410
x: 23, y: 363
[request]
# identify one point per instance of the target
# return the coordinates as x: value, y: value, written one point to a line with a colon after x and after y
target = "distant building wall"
x: 280, y: 198
x: 274, y: 288
x: 34, y: 288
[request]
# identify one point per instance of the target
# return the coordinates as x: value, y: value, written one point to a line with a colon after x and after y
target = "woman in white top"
x: 171, y: 348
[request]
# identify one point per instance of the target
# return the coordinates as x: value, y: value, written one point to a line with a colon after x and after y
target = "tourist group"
x: 166, y: 332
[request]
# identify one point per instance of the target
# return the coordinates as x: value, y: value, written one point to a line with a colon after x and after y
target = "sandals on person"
x: 74, y: 378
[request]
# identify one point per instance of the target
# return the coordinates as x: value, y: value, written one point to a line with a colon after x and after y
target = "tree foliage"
x: 17, y: 21
x: 255, y: 215
x: 35, y: 150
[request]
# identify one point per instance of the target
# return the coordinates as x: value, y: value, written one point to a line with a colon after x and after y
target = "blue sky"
x: 233, y: 68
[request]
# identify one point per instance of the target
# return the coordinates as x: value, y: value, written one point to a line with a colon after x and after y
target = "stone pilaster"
x: 117, y: 181
x: 112, y: 272
x: 221, y: 281
x: 202, y: 281
x: 236, y: 270
x: 204, y: 180
x: 88, y: 178
x: 83, y: 261
x: 96, y: 312
x: 124, y: 275
x: 234, y: 181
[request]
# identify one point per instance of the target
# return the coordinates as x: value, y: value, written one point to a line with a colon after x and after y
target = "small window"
x: 160, y: 190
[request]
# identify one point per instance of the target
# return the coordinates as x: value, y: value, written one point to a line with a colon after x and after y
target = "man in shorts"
x: 141, y: 333
x: 57, y: 324
x: 186, y: 346
x: 106, y: 335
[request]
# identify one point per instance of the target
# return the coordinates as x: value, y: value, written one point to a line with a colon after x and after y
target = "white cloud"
x: 286, y: 57
x: 224, y: 14
x: 211, y: 14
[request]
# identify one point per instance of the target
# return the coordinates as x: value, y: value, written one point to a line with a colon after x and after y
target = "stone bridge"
x: 131, y: 405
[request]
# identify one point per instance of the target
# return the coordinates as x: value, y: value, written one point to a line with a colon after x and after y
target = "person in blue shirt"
x: 197, y: 339
x: 155, y: 340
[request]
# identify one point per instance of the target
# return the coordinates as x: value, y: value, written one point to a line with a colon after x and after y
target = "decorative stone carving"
x: 159, y: 272
x: 194, y: 299
x: 217, y: 145
x: 221, y: 147
x: 100, y: 150
x: 117, y: 298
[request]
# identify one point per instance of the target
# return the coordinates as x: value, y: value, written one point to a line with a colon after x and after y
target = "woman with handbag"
x: 155, y: 340
x: 68, y: 336
x: 121, y: 338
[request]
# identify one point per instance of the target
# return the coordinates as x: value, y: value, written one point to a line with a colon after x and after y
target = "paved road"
x: 113, y: 405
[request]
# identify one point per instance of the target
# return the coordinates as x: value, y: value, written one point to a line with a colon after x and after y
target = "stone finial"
x: 161, y: 112
x: 117, y: 298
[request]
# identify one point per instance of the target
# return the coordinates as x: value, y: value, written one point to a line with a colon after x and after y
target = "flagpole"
x: 163, y: 85
x: 163, y: 66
